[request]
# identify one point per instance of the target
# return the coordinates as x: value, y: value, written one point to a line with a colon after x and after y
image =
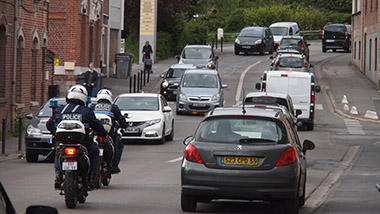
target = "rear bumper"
x: 248, y: 48
x: 335, y: 44
x: 42, y: 145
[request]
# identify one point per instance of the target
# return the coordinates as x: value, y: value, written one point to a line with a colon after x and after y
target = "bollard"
x: 221, y: 44
x: 144, y: 77
x: 216, y: 41
x: 3, y: 136
x: 212, y: 44
x: 19, y: 133
x: 148, y: 76
x: 141, y: 80
x: 130, y: 84
x: 134, y: 83
x: 138, y: 82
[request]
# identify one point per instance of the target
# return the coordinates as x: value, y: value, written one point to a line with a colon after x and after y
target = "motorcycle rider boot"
x: 93, y: 184
x: 58, y: 180
x: 115, y: 170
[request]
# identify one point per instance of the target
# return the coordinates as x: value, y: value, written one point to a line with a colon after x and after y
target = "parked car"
x: 290, y: 62
x: 250, y: 154
x: 266, y: 98
x: 198, y: 55
x: 199, y: 91
x: 38, y: 140
x: 254, y: 39
x: 148, y: 116
x: 299, y: 85
x: 336, y: 36
x: 168, y: 88
x: 296, y: 43
x: 281, y: 29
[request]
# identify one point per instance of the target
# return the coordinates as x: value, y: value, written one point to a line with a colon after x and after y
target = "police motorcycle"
x: 106, y: 150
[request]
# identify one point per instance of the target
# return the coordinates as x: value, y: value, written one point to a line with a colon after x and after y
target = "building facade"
x: 365, y: 33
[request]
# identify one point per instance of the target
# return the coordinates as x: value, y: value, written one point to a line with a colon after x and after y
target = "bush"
x: 194, y: 33
x: 132, y: 45
x: 165, y: 45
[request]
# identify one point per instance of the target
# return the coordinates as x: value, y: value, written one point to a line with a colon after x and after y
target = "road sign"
x: 56, y: 62
x: 122, y: 45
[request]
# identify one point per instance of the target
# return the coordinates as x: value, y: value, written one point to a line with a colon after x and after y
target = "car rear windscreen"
x: 266, y: 100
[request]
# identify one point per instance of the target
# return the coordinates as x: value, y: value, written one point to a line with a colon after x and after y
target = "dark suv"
x: 336, y: 36
x: 254, y: 39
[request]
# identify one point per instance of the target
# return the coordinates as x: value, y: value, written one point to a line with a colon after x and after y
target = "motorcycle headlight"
x: 216, y: 97
x: 165, y: 84
x: 182, y: 97
x: 152, y: 122
x: 33, y: 130
x: 258, y: 42
x: 237, y: 41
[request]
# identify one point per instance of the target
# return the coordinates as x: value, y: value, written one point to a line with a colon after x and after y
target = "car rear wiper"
x: 256, y: 140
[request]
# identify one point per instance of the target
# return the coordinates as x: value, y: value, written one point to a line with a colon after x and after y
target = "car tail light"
x: 312, y: 99
x: 345, y: 32
x: 99, y: 139
x: 192, y: 154
x: 288, y: 157
x: 323, y: 32
x: 302, y: 48
x: 264, y: 87
x: 278, y: 47
x: 70, y: 151
x: 284, y: 75
x: 305, y: 65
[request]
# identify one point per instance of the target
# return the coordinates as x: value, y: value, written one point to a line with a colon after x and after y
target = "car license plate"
x: 246, y: 47
x: 50, y: 140
x: 199, y: 104
x: 101, y: 152
x: 132, y: 130
x: 174, y: 92
x: 67, y: 166
x: 240, y: 160
x: 330, y: 40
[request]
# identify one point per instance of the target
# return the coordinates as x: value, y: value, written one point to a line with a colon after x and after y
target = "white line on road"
x: 175, y: 160
x: 354, y: 127
x: 240, y: 85
x: 318, y: 106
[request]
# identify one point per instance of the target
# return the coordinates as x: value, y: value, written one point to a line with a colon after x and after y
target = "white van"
x: 280, y: 29
x: 299, y: 85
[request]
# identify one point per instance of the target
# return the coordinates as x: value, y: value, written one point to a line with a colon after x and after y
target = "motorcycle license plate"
x: 68, y: 166
x: 101, y: 152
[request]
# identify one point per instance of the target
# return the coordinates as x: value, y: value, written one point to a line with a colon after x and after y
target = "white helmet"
x: 104, y: 94
x: 77, y: 92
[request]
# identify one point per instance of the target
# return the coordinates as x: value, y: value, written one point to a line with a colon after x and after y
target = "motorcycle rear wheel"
x: 71, y: 189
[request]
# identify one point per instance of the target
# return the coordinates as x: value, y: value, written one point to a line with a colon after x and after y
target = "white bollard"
x: 354, y: 110
x: 346, y: 107
x: 371, y: 115
x: 344, y: 100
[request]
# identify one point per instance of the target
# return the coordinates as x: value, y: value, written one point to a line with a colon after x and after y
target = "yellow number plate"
x: 240, y: 160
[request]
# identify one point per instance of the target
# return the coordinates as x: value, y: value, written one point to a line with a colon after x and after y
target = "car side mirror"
x: 29, y: 116
x: 308, y: 44
x: 41, y: 209
x: 177, y: 57
x: 224, y: 86
x: 271, y: 57
x: 187, y: 140
x: 162, y: 75
x: 299, y: 124
x: 317, y: 88
x: 258, y: 86
x: 216, y: 57
x: 167, y: 109
x: 176, y: 84
x: 307, y: 145
x: 311, y: 66
x: 298, y: 112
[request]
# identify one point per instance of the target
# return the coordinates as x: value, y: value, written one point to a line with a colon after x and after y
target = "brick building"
x: 23, y: 82
x: 365, y: 33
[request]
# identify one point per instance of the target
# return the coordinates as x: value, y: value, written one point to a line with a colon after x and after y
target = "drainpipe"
x: 14, y: 63
x: 101, y: 37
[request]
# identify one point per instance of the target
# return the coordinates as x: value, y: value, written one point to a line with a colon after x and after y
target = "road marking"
x: 175, y: 160
x: 354, y: 126
x: 240, y: 85
x: 318, y: 107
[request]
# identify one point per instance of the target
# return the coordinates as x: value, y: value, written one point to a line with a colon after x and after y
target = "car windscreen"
x: 249, y: 32
x: 197, y: 53
x: 232, y: 130
x: 46, y: 111
x: 291, y: 42
x: 200, y: 81
x: 137, y: 103
x: 279, y: 31
x: 335, y: 28
x: 175, y: 73
x: 266, y: 100
x: 290, y: 62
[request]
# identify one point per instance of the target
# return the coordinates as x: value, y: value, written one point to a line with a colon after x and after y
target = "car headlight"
x: 258, y: 42
x: 165, y: 84
x: 152, y: 122
x: 182, y: 97
x: 33, y: 131
x: 216, y: 97
x: 237, y: 41
x: 211, y: 65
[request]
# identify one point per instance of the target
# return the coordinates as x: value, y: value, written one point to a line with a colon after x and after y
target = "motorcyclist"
x: 76, y: 109
x: 105, y: 106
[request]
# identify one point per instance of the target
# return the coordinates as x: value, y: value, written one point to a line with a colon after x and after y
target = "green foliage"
x: 165, y: 45
x: 132, y: 45
x: 194, y: 33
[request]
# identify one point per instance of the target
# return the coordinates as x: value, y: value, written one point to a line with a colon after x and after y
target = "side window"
x: 292, y: 133
x: 163, y: 101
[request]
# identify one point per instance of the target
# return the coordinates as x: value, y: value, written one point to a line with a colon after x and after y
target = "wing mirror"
x: 176, y: 84
x: 29, y: 116
x: 258, y: 86
x: 307, y: 145
x: 317, y: 88
x: 187, y: 140
x: 167, y: 109
x: 41, y: 209
x: 224, y: 86
x: 177, y: 57
x: 271, y: 57
x: 298, y: 112
x: 311, y: 66
x: 216, y: 57
x: 162, y: 75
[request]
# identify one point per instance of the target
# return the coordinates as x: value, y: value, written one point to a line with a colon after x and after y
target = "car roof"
x: 290, y: 51
x: 198, y: 46
x: 238, y: 111
x: 282, y: 24
x: 256, y: 28
x: 267, y: 94
x: 298, y: 55
x: 293, y: 73
x: 293, y: 37
x: 201, y: 71
x: 183, y: 66
x: 138, y: 95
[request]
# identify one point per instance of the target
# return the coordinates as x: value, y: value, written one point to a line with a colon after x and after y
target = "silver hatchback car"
x: 199, y: 91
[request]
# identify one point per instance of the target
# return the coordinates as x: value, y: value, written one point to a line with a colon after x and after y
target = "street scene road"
x: 342, y: 170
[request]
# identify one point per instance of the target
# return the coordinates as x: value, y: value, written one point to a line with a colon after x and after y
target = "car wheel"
x: 302, y: 198
x: 324, y: 49
x: 31, y: 158
x: 236, y: 52
x: 188, y: 203
x: 171, y: 136
x: 334, y: 50
x: 291, y: 206
x: 262, y: 49
x: 271, y: 50
x: 162, y: 139
x: 310, y: 126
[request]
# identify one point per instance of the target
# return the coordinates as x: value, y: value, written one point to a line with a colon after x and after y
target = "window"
x: 3, y: 42
x: 370, y: 54
x: 359, y: 50
x: 354, y: 50
x: 375, y: 67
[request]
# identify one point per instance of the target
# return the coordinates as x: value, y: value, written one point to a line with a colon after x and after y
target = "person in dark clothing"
x: 75, y: 108
x: 105, y: 106
x: 147, y: 51
x: 90, y: 78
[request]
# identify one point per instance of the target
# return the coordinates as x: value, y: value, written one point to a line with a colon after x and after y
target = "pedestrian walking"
x: 90, y: 79
x: 147, y: 51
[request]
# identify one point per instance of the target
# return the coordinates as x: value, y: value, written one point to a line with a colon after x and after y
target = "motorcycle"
x: 106, y: 151
x: 73, y: 161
